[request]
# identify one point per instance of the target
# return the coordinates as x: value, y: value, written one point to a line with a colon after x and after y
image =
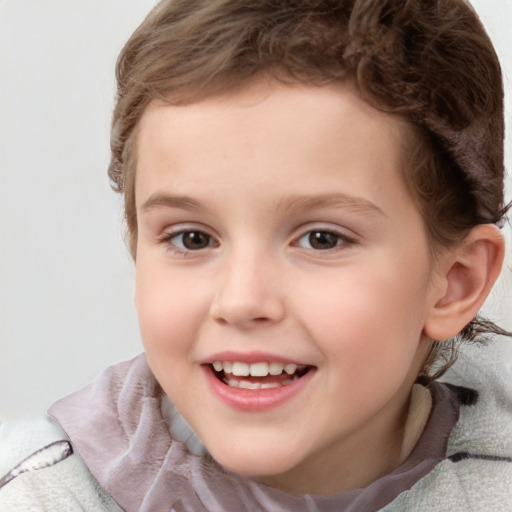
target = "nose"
x: 248, y: 293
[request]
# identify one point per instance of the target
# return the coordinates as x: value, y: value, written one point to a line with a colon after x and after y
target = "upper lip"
x: 250, y: 357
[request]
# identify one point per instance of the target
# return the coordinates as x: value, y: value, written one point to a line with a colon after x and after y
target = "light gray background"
x: 65, y: 274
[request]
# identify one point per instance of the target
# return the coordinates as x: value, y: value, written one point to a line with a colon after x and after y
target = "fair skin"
x: 274, y: 227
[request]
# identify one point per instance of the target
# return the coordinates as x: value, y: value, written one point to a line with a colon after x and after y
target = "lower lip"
x: 255, y: 400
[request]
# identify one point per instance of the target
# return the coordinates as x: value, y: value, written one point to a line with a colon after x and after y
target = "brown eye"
x: 191, y: 240
x: 322, y: 240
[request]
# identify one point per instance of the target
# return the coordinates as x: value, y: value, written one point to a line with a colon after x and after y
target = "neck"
x: 383, y: 445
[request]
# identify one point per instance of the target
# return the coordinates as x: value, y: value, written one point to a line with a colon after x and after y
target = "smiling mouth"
x: 257, y: 376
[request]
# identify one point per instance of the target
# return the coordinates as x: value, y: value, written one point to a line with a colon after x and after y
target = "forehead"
x: 270, y: 124
x: 264, y: 99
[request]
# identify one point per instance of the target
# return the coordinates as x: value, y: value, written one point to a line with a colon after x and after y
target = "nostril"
x: 261, y: 319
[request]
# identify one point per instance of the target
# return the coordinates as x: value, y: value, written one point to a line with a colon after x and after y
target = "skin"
x: 262, y: 168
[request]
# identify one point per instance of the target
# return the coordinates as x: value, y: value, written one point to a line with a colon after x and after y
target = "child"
x: 312, y: 193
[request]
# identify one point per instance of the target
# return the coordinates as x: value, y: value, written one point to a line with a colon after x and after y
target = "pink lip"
x: 249, y: 358
x: 259, y: 400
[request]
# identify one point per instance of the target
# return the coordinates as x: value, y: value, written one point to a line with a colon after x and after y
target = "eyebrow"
x: 338, y: 200
x: 169, y: 201
x: 293, y: 202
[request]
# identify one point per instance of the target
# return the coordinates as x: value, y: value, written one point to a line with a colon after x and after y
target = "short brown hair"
x: 430, y: 62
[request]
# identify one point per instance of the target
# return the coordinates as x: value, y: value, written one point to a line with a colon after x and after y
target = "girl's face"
x: 277, y: 238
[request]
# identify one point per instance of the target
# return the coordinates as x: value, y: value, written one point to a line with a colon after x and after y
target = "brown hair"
x: 428, y: 61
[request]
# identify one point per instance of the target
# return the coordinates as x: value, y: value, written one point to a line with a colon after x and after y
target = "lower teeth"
x: 245, y: 384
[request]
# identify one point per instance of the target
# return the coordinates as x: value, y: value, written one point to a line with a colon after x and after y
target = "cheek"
x: 169, y: 308
x: 369, y: 320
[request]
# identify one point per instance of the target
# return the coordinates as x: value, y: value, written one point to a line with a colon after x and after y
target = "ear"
x: 464, y: 278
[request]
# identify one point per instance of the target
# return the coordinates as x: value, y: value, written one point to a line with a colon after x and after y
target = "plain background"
x: 66, y: 279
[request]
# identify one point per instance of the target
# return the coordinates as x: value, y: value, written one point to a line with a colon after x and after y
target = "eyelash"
x: 342, y: 241
x: 167, y: 240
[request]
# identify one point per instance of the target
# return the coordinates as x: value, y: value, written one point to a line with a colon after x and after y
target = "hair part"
x: 430, y: 63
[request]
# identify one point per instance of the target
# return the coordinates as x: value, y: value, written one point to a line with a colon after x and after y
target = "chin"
x: 254, y: 462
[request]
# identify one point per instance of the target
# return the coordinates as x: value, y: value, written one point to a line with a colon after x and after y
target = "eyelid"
x: 172, y: 232
x: 185, y: 227
x: 347, y: 240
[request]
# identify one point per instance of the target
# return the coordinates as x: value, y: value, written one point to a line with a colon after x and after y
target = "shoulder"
x: 39, y: 471
x: 477, y: 471
x: 483, y: 386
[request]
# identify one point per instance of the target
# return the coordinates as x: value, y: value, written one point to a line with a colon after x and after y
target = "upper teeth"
x: 255, y: 369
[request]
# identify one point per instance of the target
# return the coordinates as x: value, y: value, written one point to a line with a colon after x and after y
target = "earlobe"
x: 470, y: 271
